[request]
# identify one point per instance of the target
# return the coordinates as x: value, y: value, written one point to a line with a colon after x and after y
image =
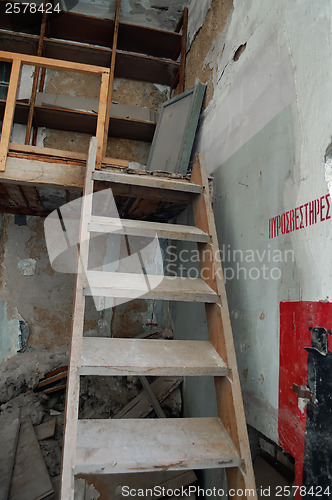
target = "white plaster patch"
x: 27, y: 267
x: 328, y: 171
x: 302, y: 403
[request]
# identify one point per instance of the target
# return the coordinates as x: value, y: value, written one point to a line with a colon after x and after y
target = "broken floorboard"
x: 9, y: 431
x: 141, y: 407
x: 30, y: 478
x: 45, y: 430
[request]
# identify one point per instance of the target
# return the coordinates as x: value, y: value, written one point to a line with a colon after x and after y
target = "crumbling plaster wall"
x: 29, y: 288
x: 265, y: 130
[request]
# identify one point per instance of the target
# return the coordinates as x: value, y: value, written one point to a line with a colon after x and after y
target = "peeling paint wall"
x: 266, y: 134
x: 29, y: 288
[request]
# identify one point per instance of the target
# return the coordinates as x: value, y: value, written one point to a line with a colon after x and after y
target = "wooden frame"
x: 162, y: 153
x: 130, y: 53
x: 17, y: 61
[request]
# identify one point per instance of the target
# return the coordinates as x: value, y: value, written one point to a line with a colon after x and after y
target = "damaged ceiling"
x: 156, y: 13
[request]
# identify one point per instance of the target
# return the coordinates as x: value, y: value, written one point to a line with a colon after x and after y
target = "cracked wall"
x: 265, y: 132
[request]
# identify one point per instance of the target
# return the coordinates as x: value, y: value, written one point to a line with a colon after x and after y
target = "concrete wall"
x: 265, y: 130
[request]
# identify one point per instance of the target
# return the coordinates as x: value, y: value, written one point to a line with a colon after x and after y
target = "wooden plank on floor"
x: 9, y: 431
x: 45, y: 430
x: 141, y: 407
x: 30, y: 480
x: 114, y: 446
x: 112, y: 356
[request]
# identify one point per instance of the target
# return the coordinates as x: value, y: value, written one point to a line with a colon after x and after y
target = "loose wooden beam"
x: 44, y: 62
x: 57, y: 155
x: 152, y: 397
x: 35, y: 79
x: 9, y: 112
x: 101, y: 152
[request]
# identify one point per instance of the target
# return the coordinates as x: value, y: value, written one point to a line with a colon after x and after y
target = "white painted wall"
x: 265, y: 135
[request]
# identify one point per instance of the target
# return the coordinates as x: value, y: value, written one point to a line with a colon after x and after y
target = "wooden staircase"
x: 123, y: 446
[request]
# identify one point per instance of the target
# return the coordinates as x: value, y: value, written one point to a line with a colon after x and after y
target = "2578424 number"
x: 30, y: 8
x: 314, y: 491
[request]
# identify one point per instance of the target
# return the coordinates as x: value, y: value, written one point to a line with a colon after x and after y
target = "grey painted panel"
x: 175, y: 133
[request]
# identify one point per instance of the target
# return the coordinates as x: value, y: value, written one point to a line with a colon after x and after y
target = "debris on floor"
x: 30, y: 478
x: 32, y: 404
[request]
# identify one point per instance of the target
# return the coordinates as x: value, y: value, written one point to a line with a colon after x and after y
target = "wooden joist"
x: 112, y: 446
x: 54, y: 155
x: 111, y: 356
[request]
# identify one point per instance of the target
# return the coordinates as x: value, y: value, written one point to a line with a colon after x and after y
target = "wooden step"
x: 148, y: 286
x: 147, y: 180
x: 118, y: 446
x: 107, y: 356
x: 147, y: 229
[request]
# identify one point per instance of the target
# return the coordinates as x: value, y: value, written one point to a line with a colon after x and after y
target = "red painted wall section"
x: 295, y: 320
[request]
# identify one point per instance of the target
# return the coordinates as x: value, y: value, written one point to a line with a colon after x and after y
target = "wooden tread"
x: 147, y: 181
x: 111, y: 356
x: 147, y: 229
x: 134, y: 286
x: 118, y: 446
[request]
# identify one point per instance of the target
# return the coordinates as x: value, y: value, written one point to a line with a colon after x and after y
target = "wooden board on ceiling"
x: 72, y: 26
